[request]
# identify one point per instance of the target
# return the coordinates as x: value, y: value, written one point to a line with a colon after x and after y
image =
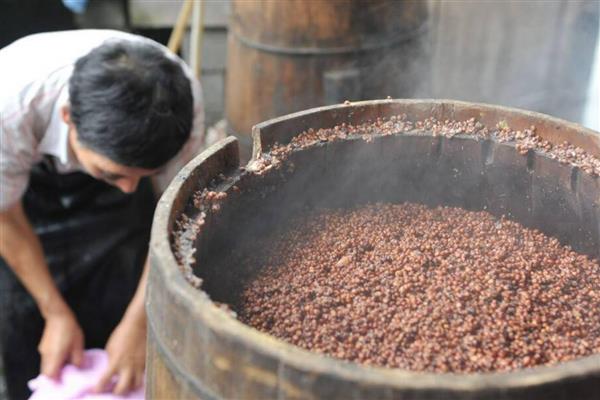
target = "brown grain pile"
x: 426, y: 289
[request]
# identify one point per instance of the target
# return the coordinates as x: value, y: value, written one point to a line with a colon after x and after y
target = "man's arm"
x: 127, y: 345
x: 62, y: 339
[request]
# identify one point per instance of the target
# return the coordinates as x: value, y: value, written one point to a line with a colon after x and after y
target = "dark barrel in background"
x: 197, y: 350
x: 286, y: 56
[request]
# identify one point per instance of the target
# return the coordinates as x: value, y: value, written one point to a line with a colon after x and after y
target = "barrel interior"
x: 539, y: 192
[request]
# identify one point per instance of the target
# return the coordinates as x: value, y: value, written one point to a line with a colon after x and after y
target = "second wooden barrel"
x: 286, y: 56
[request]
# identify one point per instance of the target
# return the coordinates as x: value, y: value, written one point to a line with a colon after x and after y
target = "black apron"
x: 95, y: 240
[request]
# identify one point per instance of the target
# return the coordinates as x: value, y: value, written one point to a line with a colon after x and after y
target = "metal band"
x: 324, y: 51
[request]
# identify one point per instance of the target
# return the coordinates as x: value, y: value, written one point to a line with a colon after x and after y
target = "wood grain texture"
x: 279, y: 53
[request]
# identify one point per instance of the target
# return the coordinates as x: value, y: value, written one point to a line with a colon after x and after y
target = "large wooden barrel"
x: 286, y: 56
x: 198, y: 350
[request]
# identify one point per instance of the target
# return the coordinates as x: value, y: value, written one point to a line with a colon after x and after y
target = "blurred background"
x: 537, y: 55
x: 264, y: 58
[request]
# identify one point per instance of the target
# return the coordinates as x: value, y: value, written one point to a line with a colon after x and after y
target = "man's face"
x: 103, y: 168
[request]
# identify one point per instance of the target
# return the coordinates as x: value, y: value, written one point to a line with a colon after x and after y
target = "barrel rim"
x: 445, y: 109
x: 199, y: 304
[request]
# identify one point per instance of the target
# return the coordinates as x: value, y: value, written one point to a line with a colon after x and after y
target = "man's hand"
x: 126, y: 350
x: 126, y: 346
x: 62, y: 341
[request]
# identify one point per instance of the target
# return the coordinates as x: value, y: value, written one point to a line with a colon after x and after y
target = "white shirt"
x: 34, y: 77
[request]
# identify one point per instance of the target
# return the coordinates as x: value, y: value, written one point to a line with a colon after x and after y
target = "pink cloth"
x: 77, y: 383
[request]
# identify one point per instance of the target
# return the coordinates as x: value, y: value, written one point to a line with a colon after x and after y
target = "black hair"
x: 131, y: 103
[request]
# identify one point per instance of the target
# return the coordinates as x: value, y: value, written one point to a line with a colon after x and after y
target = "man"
x: 86, y: 118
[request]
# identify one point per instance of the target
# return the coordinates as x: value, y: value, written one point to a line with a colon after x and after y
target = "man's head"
x: 131, y: 111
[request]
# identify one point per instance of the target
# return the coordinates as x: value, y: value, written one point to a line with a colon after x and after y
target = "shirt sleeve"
x: 17, y: 155
x: 192, y: 147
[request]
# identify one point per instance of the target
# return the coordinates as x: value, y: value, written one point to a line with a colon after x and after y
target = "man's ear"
x: 65, y: 113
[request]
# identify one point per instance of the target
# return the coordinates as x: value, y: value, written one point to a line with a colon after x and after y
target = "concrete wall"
x: 536, y: 55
